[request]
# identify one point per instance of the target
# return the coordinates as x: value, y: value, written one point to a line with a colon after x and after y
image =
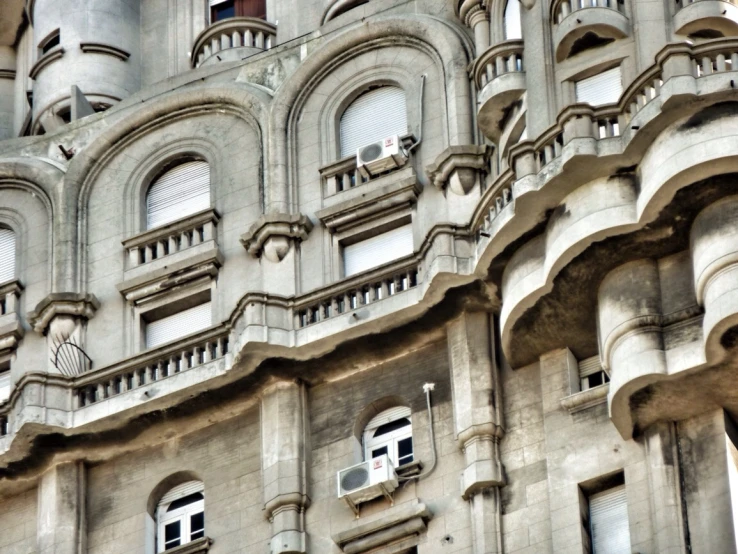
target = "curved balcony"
x: 706, y: 18
x: 500, y: 77
x: 583, y: 24
x: 233, y: 39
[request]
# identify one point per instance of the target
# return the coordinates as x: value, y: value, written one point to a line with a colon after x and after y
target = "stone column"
x: 285, y: 445
x: 476, y: 421
x: 662, y: 461
x: 62, y: 521
x: 478, y: 20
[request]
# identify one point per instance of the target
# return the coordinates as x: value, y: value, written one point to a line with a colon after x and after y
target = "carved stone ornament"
x: 74, y: 304
x: 458, y: 167
x: 272, y: 235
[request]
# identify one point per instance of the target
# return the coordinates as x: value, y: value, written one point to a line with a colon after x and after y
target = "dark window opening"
x: 51, y: 42
x: 391, y: 426
x: 197, y: 526
x: 172, y: 535
x: 189, y: 499
x: 404, y: 451
x: 377, y: 452
x: 238, y: 8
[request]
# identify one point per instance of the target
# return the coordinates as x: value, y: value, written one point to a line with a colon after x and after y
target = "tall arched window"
x: 391, y: 433
x: 7, y: 255
x: 373, y: 116
x: 180, y: 516
x: 179, y: 192
x: 513, y: 26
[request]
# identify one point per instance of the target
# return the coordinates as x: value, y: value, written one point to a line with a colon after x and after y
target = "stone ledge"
x: 399, y: 522
x: 586, y: 399
x: 194, y: 547
x: 373, y: 202
x: 50, y: 56
x: 106, y: 49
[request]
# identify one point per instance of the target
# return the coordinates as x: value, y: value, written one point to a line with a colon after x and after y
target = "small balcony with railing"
x: 582, y: 24
x: 706, y: 19
x: 499, y: 74
x: 233, y: 39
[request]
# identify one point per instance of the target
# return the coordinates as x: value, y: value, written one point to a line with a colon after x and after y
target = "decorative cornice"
x: 50, y: 56
x: 270, y: 226
x: 107, y: 49
x: 586, y: 399
x: 457, y: 167
x: 62, y: 303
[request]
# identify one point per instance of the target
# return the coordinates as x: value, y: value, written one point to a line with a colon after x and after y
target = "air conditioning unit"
x: 381, y: 156
x: 367, y: 480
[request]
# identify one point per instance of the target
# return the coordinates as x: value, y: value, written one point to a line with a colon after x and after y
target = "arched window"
x: 7, y: 255
x: 179, y: 192
x: 391, y: 433
x: 513, y: 27
x: 180, y: 516
x: 373, y: 116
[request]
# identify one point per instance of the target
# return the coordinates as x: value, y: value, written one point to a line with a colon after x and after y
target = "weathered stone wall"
x: 18, y: 523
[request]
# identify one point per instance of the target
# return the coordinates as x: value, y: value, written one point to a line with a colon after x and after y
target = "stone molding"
x: 272, y: 235
x: 106, y: 49
x: 199, y: 546
x: 399, y: 522
x: 7, y: 74
x: 62, y: 303
x: 585, y: 399
x: 458, y: 167
x: 50, y: 56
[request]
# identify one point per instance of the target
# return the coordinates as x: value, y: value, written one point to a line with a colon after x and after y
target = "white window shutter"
x: 373, y: 116
x: 180, y: 491
x: 608, y: 512
x: 603, y: 88
x: 378, y: 250
x: 178, y: 325
x: 181, y: 191
x: 4, y: 386
x: 386, y: 416
x: 7, y: 255
x: 513, y: 25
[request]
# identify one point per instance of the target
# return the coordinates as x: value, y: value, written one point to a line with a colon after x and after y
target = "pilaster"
x: 285, y: 440
x: 62, y: 521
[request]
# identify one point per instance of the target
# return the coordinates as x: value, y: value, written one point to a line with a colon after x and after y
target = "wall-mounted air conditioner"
x: 366, y: 481
x: 380, y: 156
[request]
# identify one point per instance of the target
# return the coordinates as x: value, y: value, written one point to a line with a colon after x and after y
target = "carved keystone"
x: 273, y: 234
x: 458, y: 167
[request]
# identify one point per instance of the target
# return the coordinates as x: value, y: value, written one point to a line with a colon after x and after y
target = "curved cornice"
x: 440, y: 38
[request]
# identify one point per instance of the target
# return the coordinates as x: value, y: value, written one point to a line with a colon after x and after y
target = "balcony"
x: 706, y: 18
x: 500, y: 77
x: 233, y: 39
x: 583, y: 24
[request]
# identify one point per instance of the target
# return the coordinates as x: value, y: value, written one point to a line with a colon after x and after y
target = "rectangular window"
x: 4, y: 385
x: 608, y: 521
x: 603, y: 88
x: 378, y: 250
x: 178, y: 325
x: 222, y: 9
x: 591, y: 374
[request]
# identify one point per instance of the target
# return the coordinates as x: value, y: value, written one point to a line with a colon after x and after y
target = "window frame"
x: 45, y: 45
x: 182, y: 514
x: 390, y: 440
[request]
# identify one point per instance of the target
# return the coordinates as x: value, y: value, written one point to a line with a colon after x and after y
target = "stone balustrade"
x: 171, y: 238
x: 353, y: 294
x: 248, y: 33
x: 506, y: 57
x: 680, y: 4
x: 9, y: 295
x: 149, y: 367
x: 711, y: 59
x: 341, y: 176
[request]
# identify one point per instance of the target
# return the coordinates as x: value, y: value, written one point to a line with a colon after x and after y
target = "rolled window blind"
x: 373, y: 116
x: 180, y: 491
x: 4, y: 386
x: 608, y: 512
x: 378, y: 250
x: 178, y: 325
x: 388, y: 415
x: 603, y: 88
x: 513, y: 26
x: 181, y: 191
x: 7, y: 255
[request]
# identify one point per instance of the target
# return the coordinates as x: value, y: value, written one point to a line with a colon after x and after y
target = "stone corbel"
x: 458, y: 167
x: 273, y: 234
x: 72, y: 304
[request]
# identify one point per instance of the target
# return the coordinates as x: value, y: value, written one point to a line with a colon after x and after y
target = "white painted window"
x: 608, y: 517
x: 391, y: 433
x: 378, y: 250
x: 4, y: 385
x: 603, y: 88
x: 591, y: 374
x: 7, y: 255
x: 511, y: 17
x: 373, y: 116
x: 178, y: 325
x: 181, y: 191
x: 180, y: 516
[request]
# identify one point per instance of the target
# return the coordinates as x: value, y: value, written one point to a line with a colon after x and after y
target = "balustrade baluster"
x: 248, y: 38
x: 706, y: 66
x: 134, y: 257
x: 499, y: 66
x: 237, y: 39
x: 720, y: 62
x: 225, y: 41
x: 734, y: 61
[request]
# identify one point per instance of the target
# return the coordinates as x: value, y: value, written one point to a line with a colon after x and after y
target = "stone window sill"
x: 195, y: 547
x: 586, y: 399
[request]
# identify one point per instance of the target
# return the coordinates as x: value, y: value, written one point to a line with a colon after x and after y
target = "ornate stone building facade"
x: 368, y: 276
